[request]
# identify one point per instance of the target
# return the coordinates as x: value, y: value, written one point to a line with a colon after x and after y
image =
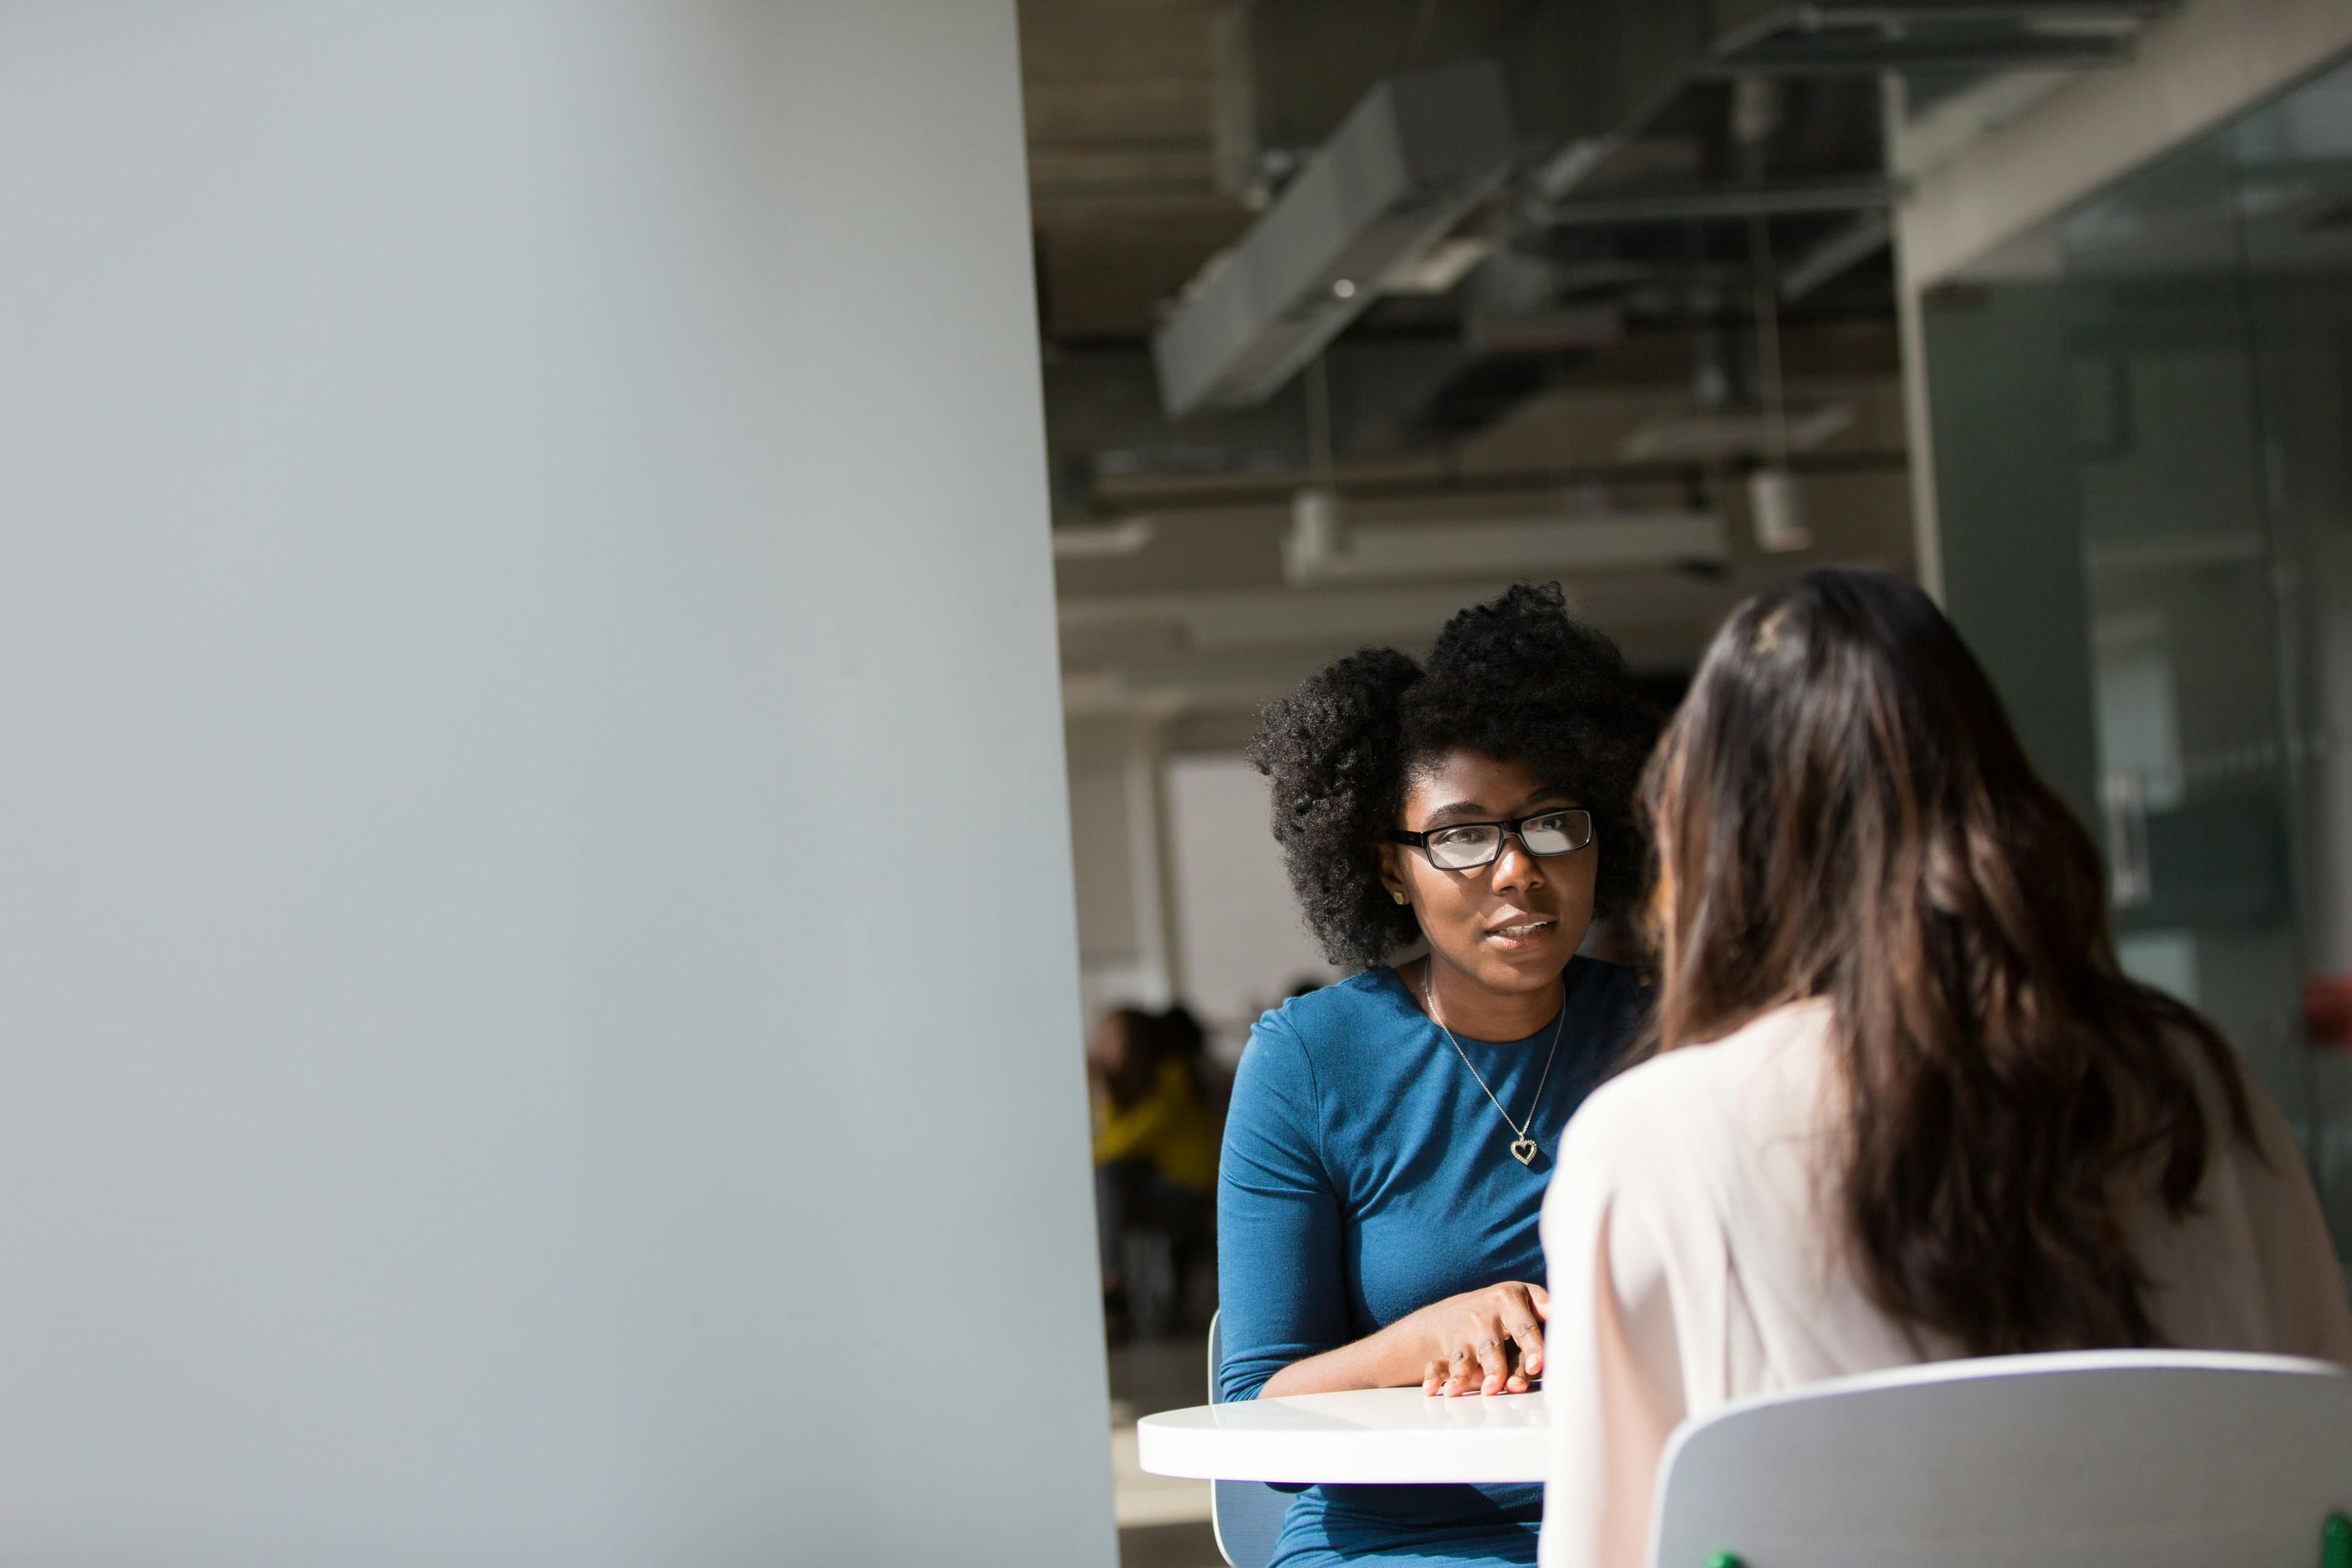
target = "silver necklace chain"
x: 1523, y: 1148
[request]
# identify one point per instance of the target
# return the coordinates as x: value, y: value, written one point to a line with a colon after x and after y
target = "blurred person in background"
x: 1903, y: 1104
x: 1391, y: 1134
x: 1185, y: 1042
x: 1155, y: 1144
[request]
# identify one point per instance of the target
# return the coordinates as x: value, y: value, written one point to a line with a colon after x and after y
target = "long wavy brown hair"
x: 1841, y: 810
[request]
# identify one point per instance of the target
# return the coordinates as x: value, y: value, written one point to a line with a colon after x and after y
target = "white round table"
x: 1385, y: 1435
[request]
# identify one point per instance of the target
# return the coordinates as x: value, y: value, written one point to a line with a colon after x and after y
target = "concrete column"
x: 536, y: 964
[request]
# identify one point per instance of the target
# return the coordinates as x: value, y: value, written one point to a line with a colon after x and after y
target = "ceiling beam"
x: 1723, y: 198
x: 1825, y: 54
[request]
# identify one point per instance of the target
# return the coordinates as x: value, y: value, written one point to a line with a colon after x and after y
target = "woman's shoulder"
x: 1598, y: 991
x: 1334, y: 1035
x: 1769, y: 1067
x: 1338, y: 1011
x: 1365, y: 1010
x: 1312, y: 1043
x: 1588, y: 977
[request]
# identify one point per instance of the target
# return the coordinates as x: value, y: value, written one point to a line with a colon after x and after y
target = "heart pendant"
x: 1525, y: 1150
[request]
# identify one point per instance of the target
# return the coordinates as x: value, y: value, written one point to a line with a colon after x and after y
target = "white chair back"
x: 2110, y: 1459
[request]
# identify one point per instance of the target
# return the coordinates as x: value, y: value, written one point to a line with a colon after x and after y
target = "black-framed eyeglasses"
x: 1467, y: 846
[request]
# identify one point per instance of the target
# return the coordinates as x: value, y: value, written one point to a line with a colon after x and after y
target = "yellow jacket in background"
x: 1170, y: 1127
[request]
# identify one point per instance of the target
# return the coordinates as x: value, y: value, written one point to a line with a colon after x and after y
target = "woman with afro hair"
x: 1452, y: 830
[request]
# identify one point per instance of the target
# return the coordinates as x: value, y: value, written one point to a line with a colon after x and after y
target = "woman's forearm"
x: 1464, y: 1344
x: 1394, y: 1357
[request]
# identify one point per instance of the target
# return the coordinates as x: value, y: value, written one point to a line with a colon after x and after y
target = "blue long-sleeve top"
x: 1366, y: 1175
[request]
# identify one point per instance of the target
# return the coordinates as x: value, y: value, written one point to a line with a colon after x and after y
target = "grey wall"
x: 1244, y: 941
x: 2000, y: 396
x: 537, y: 980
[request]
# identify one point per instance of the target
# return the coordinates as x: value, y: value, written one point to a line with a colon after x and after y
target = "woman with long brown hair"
x: 1901, y: 1102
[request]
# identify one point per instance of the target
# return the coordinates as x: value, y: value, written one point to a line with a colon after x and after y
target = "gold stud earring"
x: 1397, y: 896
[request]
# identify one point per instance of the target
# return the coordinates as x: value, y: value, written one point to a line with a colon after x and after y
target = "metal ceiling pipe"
x: 1897, y: 13
x: 1828, y: 53
x: 1764, y: 198
x: 1846, y: 247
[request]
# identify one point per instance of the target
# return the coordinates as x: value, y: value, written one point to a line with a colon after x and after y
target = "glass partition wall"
x: 2143, y: 422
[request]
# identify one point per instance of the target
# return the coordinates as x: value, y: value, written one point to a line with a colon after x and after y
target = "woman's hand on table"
x: 1485, y: 1341
x: 1481, y: 1342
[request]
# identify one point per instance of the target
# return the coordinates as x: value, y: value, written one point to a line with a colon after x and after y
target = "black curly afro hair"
x: 1518, y: 679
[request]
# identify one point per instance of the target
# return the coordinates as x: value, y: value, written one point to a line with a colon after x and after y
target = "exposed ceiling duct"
x: 1403, y: 168
x: 1589, y: 78
x: 1571, y: 382
x: 1630, y: 120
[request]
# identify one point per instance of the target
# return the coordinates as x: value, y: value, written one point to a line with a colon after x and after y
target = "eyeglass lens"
x: 1476, y: 842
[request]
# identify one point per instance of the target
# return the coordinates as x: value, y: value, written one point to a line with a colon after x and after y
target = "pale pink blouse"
x: 1694, y: 1259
